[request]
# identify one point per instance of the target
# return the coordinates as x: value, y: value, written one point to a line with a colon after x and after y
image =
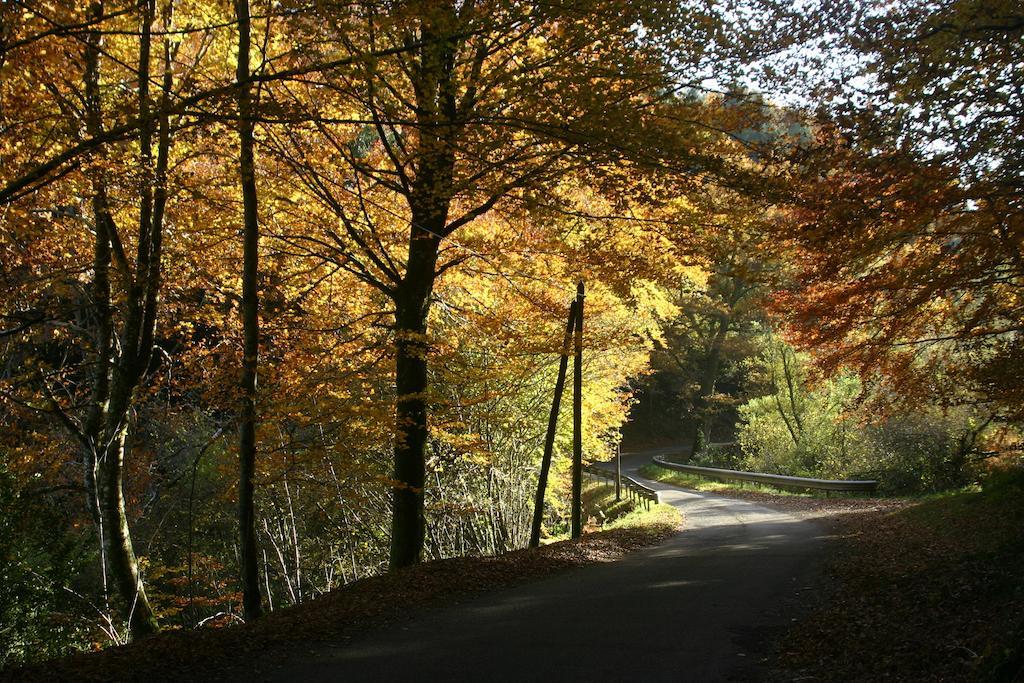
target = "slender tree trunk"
x: 117, y: 549
x: 252, y: 603
x: 101, y: 378
x: 794, y: 432
x: 101, y: 275
x: 577, y: 420
x: 787, y: 369
x: 701, y: 418
x: 549, y: 439
x: 124, y: 565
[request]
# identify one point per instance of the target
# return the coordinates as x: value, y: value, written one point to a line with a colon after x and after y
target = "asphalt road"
x: 702, y: 606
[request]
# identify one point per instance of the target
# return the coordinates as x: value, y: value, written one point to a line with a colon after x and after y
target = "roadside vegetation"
x: 775, y: 414
x: 604, y: 512
x: 613, y: 529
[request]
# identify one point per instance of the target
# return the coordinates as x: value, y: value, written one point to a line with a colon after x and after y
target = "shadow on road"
x: 703, y: 606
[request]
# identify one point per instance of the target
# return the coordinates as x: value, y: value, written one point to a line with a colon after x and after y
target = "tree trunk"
x: 120, y: 368
x: 701, y: 419
x: 412, y: 307
x: 103, y: 337
x: 252, y: 603
x: 120, y: 553
x: 429, y: 197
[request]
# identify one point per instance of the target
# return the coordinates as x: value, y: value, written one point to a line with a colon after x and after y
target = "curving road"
x: 702, y: 606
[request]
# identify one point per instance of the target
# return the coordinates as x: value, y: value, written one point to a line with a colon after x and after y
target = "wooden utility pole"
x: 577, y: 420
x: 549, y: 440
x: 618, y: 471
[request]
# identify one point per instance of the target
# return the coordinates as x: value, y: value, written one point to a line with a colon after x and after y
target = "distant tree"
x: 708, y: 335
x: 721, y: 308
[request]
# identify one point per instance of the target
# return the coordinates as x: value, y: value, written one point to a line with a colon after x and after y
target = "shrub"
x: 920, y: 453
x: 39, y: 619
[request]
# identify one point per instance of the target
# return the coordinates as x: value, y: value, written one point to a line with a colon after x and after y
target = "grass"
x: 698, y: 483
x: 626, y: 514
x: 602, y: 512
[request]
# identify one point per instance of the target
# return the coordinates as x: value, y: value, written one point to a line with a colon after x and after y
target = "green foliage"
x: 795, y: 429
x: 822, y: 431
x: 38, y: 616
x: 727, y: 456
x: 923, y: 453
x: 699, y: 370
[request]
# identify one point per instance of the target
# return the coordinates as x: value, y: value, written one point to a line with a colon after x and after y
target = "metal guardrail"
x: 634, y: 489
x: 778, y: 480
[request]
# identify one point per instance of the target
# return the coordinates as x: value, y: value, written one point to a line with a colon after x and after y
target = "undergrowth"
x: 601, y: 511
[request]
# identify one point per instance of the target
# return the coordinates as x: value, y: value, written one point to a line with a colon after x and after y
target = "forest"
x: 284, y: 283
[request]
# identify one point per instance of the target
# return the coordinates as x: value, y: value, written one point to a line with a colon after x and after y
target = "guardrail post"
x: 618, y: 471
